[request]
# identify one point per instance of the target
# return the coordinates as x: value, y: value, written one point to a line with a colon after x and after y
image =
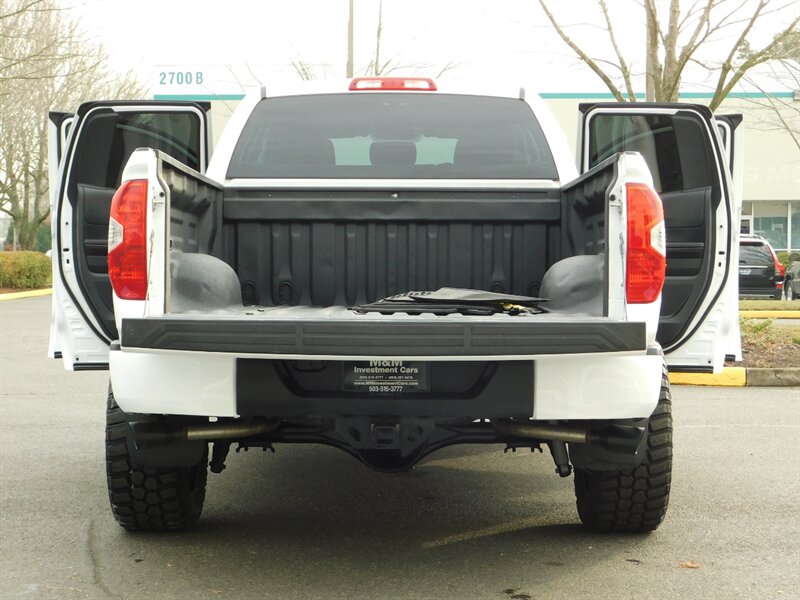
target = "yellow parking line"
x: 770, y: 314
x: 29, y: 294
x: 730, y: 377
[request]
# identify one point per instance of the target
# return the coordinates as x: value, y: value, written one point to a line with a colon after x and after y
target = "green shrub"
x: 22, y: 270
x: 785, y: 258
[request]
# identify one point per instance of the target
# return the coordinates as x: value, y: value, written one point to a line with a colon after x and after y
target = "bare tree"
x: 303, y: 69
x: 675, y: 38
x: 774, y: 113
x: 47, y: 64
x: 376, y: 67
x: 23, y: 57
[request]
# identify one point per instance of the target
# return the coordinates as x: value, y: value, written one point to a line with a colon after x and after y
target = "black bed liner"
x: 344, y: 334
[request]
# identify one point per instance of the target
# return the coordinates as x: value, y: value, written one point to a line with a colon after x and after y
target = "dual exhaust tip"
x: 614, y: 438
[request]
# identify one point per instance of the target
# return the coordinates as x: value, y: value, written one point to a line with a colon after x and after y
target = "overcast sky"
x: 235, y: 43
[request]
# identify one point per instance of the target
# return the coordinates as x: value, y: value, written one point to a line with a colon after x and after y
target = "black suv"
x: 760, y: 273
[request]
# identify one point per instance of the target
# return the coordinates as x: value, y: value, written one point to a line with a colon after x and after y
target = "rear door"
x: 733, y: 148
x: 59, y: 127
x: 101, y: 139
x: 682, y: 148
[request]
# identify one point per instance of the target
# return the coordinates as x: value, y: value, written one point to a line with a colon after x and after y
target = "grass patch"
x: 769, y: 305
x: 765, y: 344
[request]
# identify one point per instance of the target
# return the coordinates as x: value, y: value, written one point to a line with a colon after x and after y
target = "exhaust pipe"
x: 614, y: 438
x: 149, y: 434
x: 215, y: 431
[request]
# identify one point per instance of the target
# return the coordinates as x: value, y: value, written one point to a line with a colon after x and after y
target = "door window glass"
x: 675, y: 147
x: 110, y: 138
x: 176, y: 134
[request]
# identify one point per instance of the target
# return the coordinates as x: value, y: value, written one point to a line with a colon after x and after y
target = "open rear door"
x: 682, y: 148
x: 59, y: 128
x: 733, y: 149
x: 101, y: 139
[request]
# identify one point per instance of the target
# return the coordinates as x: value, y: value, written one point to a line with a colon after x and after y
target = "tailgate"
x: 339, y: 334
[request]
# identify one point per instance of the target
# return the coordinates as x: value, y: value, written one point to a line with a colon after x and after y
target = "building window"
x: 773, y: 229
x: 770, y: 221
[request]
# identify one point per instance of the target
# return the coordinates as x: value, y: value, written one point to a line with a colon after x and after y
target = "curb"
x: 741, y: 377
x: 28, y: 294
x: 770, y: 314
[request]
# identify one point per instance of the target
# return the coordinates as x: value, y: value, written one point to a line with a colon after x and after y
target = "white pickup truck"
x: 391, y: 266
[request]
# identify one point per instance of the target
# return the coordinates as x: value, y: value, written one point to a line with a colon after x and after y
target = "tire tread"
x: 632, y: 500
x: 149, y: 498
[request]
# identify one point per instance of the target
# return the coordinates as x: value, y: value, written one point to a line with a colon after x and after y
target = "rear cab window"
x: 392, y: 136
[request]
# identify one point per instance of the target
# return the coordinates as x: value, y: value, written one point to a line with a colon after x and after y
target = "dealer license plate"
x: 385, y: 376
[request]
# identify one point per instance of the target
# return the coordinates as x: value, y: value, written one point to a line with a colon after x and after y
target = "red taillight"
x: 646, y: 259
x: 127, y: 241
x: 780, y: 270
x: 393, y: 83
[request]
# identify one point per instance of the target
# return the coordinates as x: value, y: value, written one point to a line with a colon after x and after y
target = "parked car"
x: 791, y: 281
x: 760, y: 272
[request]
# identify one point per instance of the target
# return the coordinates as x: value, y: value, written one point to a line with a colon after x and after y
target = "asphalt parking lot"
x: 311, y: 522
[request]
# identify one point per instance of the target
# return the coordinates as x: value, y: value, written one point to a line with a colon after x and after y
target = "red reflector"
x: 393, y: 83
x: 646, y: 259
x: 127, y: 241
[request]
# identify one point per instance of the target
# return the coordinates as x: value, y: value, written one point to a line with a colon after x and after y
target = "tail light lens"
x: 780, y: 270
x: 646, y: 258
x: 127, y: 241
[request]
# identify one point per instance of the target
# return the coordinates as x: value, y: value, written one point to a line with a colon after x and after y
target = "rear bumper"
x: 770, y: 292
x: 565, y: 387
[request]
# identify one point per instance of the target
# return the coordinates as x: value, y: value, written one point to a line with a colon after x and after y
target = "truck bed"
x: 344, y: 248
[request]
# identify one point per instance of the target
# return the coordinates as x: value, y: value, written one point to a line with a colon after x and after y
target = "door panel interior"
x: 680, y: 156
x: 106, y: 141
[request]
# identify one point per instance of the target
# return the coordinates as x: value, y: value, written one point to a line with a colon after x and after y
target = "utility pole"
x: 376, y: 66
x: 350, y: 41
x: 651, y: 51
